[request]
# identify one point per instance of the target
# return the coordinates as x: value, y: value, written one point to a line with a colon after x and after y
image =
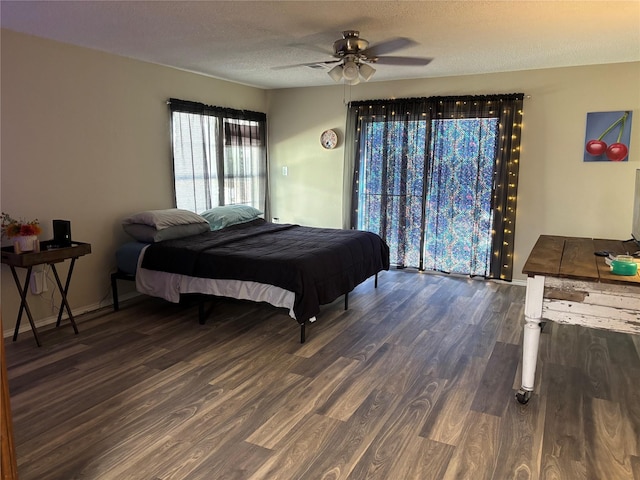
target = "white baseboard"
x: 519, y: 282
x: 24, y: 323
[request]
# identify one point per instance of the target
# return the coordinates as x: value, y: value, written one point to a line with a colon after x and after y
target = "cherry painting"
x: 607, y: 137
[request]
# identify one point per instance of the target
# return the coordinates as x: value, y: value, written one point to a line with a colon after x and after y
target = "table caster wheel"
x: 523, y: 396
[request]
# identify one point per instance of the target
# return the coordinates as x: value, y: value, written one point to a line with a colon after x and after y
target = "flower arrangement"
x: 14, y: 228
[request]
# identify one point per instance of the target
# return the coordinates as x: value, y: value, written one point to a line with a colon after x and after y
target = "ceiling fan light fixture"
x: 355, y: 81
x: 350, y: 71
x: 366, y: 71
x: 336, y: 73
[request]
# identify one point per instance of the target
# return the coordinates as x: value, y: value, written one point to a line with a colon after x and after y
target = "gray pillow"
x: 157, y: 225
x: 148, y: 234
x: 165, y: 218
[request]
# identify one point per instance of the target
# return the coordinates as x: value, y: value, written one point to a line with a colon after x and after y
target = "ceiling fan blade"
x: 285, y: 67
x: 409, y: 61
x: 388, y: 46
x: 313, y: 48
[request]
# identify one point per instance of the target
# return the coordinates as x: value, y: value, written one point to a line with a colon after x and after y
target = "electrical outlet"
x: 38, y: 282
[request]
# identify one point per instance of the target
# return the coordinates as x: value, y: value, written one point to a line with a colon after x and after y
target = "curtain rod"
x: 526, y: 97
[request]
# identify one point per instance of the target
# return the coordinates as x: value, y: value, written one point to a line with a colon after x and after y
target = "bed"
x: 289, y: 266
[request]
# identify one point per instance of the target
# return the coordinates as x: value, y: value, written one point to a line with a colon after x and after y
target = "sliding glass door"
x: 437, y: 179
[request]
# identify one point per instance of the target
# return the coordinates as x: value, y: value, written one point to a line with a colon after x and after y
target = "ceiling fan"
x: 354, y: 56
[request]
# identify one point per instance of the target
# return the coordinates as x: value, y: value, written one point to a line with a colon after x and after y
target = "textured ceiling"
x: 251, y: 42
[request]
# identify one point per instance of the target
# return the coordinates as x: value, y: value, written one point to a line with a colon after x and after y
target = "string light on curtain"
x: 416, y: 218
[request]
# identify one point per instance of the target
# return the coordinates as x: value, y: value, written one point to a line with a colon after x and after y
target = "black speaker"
x: 62, y: 233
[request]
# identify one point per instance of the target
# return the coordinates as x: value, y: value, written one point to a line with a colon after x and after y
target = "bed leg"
x: 202, y: 317
x: 375, y: 285
x: 346, y: 301
x: 114, y: 291
x: 302, y: 332
x: 203, y: 313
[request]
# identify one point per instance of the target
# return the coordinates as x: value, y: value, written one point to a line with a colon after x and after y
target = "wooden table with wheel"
x: 49, y: 256
x: 568, y: 283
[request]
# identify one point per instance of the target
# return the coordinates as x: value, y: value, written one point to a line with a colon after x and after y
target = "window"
x: 458, y: 214
x: 437, y: 179
x: 219, y: 156
x: 391, y: 194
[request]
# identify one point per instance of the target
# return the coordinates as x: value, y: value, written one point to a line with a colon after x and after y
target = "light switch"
x: 285, y: 171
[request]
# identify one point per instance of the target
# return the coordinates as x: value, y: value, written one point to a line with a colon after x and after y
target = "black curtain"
x: 402, y: 147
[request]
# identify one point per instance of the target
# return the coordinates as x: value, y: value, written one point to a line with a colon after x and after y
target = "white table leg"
x: 532, y: 316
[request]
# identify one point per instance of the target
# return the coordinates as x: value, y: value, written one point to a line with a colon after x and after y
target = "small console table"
x: 50, y: 256
x: 568, y: 283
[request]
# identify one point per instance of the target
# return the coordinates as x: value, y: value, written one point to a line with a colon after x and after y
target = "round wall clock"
x: 329, y: 139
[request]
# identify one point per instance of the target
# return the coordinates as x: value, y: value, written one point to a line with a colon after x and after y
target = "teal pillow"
x: 224, y: 216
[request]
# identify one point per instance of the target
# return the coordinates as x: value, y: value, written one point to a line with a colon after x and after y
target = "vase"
x: 26, y: 243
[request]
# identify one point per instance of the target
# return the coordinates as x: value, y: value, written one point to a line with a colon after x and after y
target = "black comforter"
x: 317, y: 264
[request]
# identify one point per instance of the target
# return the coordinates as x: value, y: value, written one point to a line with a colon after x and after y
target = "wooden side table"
x: 568, y: 284
x: 49, y: 256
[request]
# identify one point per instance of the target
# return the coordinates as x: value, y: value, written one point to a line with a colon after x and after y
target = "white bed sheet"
x: 170, y: 285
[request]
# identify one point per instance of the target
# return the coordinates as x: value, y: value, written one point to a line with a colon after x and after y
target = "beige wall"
x: 558, y: 193
x: 85, y: 137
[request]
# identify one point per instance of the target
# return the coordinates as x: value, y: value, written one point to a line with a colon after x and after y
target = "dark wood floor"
x: 415, y: 381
